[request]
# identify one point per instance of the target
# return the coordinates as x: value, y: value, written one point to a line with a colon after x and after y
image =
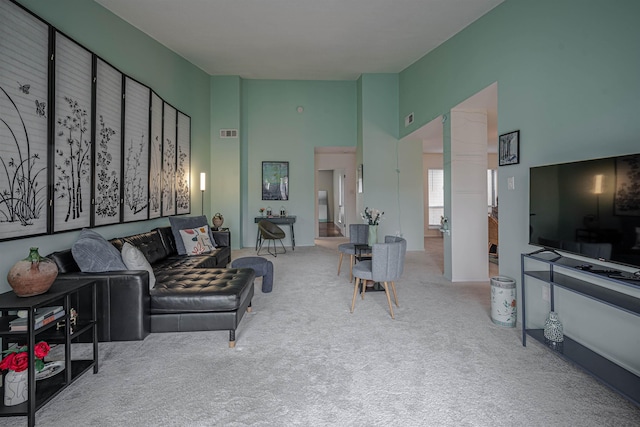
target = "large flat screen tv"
x: 589, y: 207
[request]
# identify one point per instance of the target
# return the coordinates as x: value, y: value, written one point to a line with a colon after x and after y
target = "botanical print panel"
x: 155, y: 164
x: 73, y: 133
x: 183, y: 171
x: 108, y: 153
x: 169, y: 161
x: 24, y: 53
x: 136, y: 150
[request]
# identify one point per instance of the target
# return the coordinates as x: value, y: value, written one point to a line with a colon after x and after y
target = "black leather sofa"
x: 191, y: 293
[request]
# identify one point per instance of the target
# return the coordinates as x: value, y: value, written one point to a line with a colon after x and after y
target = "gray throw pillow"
x: 183, y: 222
x: 93, y: 253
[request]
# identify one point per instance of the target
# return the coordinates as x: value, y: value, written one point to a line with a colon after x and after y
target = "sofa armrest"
x: 222, y: 238
x: 123, y: 303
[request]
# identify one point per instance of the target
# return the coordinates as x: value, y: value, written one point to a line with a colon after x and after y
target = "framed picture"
x: 626, y: 202
x: 275, y: 181
x: 359, y: 178
x: 24, y: 113
x: 108, y: 145
x: 509, y: 148
x: 73, y: 143
x: 136, y: 150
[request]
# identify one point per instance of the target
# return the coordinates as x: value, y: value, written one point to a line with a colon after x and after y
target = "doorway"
x: 335, y: 177
x: 464, y: 206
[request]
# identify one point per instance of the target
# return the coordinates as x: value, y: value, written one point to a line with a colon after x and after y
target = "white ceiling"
x: 300, y: 39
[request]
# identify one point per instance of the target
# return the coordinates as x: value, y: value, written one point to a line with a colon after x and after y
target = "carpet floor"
x: 302, y: 359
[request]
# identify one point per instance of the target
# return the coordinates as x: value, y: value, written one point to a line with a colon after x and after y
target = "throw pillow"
x: 93, y: 253
x: 183, y: 222
x: 196, y: 240
x: 134, y: 259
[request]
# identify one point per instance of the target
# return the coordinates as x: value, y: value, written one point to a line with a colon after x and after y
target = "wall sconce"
x: 203, y: 185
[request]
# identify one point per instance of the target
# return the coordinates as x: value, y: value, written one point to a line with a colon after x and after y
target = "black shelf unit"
x: 616, y: 377
x: 65, y: 293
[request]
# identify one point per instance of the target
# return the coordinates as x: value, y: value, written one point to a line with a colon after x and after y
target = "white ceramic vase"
x: 16, y: 387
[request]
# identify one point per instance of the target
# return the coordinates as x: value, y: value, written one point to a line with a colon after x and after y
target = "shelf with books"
x: 53, y: 308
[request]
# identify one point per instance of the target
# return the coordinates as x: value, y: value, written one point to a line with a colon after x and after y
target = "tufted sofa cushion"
x: 200, y: 290
x: 150, y: 244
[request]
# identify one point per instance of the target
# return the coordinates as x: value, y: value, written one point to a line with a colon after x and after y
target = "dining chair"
x: 270, y: 232
x: 358, y: 235
x: 386, y: 266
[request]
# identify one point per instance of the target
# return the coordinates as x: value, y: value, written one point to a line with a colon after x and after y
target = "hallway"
x: 327, y: 229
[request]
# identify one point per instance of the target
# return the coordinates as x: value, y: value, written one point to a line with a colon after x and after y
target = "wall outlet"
x: 511, y: 183
x: 545, y: 294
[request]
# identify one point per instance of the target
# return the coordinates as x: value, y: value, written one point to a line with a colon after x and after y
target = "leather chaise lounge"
x: 191, y: 293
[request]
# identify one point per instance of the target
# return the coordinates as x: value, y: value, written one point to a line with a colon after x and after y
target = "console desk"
x: 278, y: 220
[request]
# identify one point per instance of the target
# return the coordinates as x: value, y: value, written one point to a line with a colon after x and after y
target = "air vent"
x: 228, y: 133
x: 408, y: 120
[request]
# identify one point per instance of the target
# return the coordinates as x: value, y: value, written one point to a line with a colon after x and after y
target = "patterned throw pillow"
x: 196, y: 240
x: 182, y: 223
x: 134, y: 259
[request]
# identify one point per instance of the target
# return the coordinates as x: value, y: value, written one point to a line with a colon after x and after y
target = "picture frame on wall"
x: 509, y: 148
x: 24, y: 114
x: 73, y: 159
x: 275, y: 181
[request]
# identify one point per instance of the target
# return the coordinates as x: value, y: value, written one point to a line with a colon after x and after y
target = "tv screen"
x: 589, y: 207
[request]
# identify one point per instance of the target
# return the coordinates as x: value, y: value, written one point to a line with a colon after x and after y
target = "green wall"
x: 567, y: 75
x: 273, y: 130
x: 392, y: 169
x: 225, y: 174
x: 137, y: 55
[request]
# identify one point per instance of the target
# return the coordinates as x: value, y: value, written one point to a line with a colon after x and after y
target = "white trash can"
x: 503, y: 301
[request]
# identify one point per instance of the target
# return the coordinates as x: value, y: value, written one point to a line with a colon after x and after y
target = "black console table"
x: 278, y: 220
x: 571, y: 275
x: 65, y: 293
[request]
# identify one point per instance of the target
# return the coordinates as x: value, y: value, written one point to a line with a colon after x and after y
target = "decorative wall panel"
x: 183, y: 170
x: 136, y: 150
x: 24, y: 53
x: 108, y: 145
x: 169, y: 161
x: 73, y: 133
x: 155, y: 164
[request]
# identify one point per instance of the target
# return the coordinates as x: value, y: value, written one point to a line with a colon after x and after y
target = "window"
x: 492, y: 188
x: 436, y: 196
x: 436, y: 193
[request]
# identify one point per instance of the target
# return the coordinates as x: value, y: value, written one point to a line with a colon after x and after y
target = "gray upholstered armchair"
x: 386, y: 266
x: 358, y: 235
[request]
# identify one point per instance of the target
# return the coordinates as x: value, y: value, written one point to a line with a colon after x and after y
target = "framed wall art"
x: 136, y: 150
x: 108, y: 145
x: 24, y: 113
x: 169, y: 161
x: 509, y: 148
x: 155, y: 158
x: 183, y: 162
x: 73, y: 135
x: 275, y: 180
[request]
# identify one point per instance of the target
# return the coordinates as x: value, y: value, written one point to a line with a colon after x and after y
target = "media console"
x: 574, y: 276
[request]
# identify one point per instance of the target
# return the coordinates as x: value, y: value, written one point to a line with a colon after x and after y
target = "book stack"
x: 42, y: 316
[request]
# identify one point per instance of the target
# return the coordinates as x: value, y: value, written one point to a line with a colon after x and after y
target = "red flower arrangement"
x: 17, y: 359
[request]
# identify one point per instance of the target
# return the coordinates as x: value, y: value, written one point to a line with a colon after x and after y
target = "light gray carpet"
x: 303, y: 360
